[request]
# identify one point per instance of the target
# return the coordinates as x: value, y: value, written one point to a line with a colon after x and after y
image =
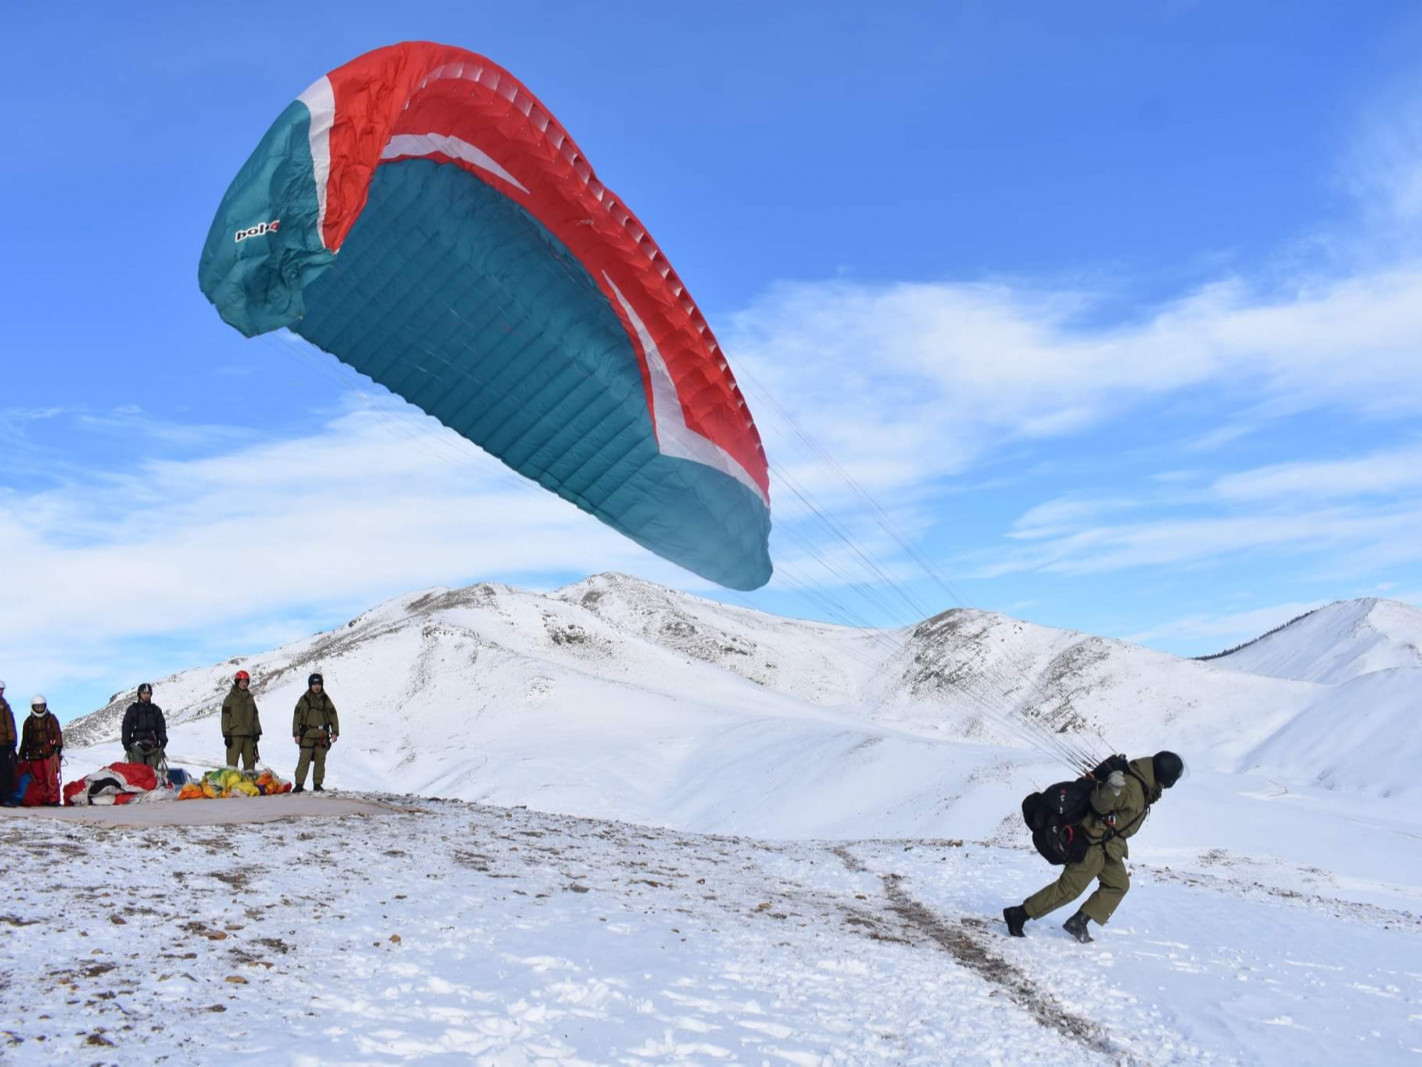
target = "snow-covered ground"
x: 448, y: 932
x: 745, y: 838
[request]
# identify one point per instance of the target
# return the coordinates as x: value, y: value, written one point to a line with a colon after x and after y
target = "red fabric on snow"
x: 73, y: 789
x: 139, y: 775
x: 44, y: 781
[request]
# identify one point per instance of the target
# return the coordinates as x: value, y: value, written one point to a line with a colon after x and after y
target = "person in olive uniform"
x: 314, y: 726
x: 145, y: 733
x: 1118, y: 807
x: 8, y: 740
x: 241, y: 725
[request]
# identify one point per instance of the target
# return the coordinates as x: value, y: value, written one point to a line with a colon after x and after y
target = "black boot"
x: 1076, y: 926
x: 319, y: 788
x: 1016, y: 918
x: 298, y: 788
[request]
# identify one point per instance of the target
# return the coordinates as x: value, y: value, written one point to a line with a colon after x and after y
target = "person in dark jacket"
x: 314, y: 726
x: 145, y: 733
x: 1118, y: 807
x: 41, y: 745
x: 8, y: 740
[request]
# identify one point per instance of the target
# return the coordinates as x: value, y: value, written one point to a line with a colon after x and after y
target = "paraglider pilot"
x: 1118, y: 807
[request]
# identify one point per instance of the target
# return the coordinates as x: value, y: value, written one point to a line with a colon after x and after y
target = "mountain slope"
x: 1366, y: 736
x: 618, y: 698
x: 968, y: 674
x: 1336, y: 643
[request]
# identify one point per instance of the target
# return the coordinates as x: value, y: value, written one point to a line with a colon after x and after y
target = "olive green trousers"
x: 1100, y: 863
x: 245, y: 749
x: 311, y: 754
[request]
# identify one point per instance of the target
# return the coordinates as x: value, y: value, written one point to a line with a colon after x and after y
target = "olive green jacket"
x: 8, y: 737
x: 315, y: 714
x: 239, y: 714
x: 1123, y: 813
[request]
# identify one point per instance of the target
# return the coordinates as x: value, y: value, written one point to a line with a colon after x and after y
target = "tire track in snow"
x: 972, y: 953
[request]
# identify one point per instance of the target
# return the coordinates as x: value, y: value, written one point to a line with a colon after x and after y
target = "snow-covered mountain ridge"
x: 719, y: 836
x: 618, y: 698
x: 1336, y: 643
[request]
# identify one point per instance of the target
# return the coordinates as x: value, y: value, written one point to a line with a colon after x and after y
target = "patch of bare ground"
x: 967, y: 943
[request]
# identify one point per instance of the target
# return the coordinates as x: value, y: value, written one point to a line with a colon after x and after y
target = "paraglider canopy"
x: 420, y: 215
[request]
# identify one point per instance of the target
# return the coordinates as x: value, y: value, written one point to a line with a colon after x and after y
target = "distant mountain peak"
x: 1335, y: 643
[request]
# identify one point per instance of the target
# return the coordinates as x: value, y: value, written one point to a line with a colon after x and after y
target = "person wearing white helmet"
x: 8, y: 739
x: 41, y: 744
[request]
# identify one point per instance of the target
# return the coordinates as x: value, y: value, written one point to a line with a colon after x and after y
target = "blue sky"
x: 1117, y: 312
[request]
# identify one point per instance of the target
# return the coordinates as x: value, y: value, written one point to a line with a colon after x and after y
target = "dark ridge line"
x: 1256, y: 640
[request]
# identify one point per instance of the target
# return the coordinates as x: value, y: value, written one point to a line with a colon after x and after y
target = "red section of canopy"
x: 423, y: 88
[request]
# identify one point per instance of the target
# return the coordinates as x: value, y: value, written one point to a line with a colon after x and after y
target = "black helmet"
x: 1168, y: 768
x: 315, y: 679
x: 144, y: 687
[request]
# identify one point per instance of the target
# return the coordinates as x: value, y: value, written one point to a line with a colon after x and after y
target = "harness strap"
x: 1111, y: 829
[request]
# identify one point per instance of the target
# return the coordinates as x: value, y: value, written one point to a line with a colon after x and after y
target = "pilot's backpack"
x: 1055, y: 815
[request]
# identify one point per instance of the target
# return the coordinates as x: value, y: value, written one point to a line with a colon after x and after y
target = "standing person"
x: 241, y: 725
x: 314, y: 727
x: 8, y: 739
x: 1118, y: 807
x: 41, y: 744
x: 145, y: 733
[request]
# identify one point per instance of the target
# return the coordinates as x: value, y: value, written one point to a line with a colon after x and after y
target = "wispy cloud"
x: 1228, y: 628
x: 132, y: 423
x: 1065, y: 514
x: 1383, y: 170
x: 1379, y: 474
x: 1366, y: 512
x: 919, y: 381
x: 374, y: 503
x: 1356, y: 542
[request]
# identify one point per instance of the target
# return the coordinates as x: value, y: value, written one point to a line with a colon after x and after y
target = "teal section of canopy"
x: 454, y: 297
x: 257, y: 284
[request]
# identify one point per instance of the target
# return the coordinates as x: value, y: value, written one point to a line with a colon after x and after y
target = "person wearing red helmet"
x: 241, y: 725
